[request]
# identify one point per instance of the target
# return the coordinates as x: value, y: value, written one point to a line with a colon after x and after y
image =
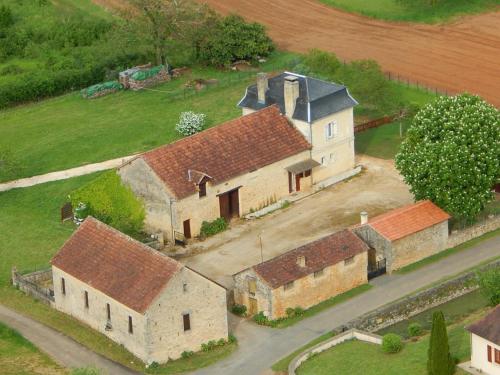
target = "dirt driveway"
x: 378, y: 189
x: 460, y: 56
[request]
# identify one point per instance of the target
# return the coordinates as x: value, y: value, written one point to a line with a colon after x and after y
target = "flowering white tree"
x: 452, y: 154
x: 190, y: 123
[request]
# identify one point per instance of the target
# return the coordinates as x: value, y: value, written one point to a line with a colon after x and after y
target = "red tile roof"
x: 115, y: 264
x: 319, y: 254
x: 407, y: 220
x: 231, y: 149
x: 489, y: 327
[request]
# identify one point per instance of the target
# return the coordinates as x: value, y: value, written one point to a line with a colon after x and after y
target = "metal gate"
x: 376, y: 269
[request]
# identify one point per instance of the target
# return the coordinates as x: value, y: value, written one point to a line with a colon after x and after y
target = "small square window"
x: 130, y: 325
x: 63, y: 286
x: 348, y: 261
x: 202, y: 189
x: 318, y: 273
x: 288, y: 286
x: 86, y: 298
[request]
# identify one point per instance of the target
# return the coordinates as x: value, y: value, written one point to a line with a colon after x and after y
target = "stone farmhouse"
x: 404, y: 235
x: 296, y: 134
x: 151, y: 304
x: 304, y: 276
x: 485, y: 343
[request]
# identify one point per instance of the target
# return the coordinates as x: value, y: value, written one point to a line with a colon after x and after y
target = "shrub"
x: 439, y: 360
x: 293, y: 312
x: 190, y: 123
x: 232, y: 339
x: 299, y: 311
x: 113, y: 203
x: 391, y: 343
x: 414, y: 329
x: 489, y: 284
x: 187, y: 354
x: 231, y: 39
x: 323, y: 63
x: 209, y: 228
x: 153, y: 365
x: 261, y: 319
x: 240, y: 310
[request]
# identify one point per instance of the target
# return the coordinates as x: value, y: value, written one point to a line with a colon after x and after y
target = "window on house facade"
x: 108, y: 311
x: 288, y: 286
x: 319, y: 273
x: 184, y: 287
x: 497, y: 356
x: 307, y: 173
x: 186, y: 319
x: 323, y: 160
x: 86, y: 298
x: 202, y: 189
x: 331, y: 130
x: 349, y: 261
x: 130, y: 325
x: 252, y: 286
x: 63, y: 286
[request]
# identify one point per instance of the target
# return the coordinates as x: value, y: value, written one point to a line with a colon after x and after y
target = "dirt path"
x: 460, y: 56
x: 378, y: 189
x: 63, y: 175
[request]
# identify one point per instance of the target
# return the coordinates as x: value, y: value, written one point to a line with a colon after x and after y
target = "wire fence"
x: 408, y: 82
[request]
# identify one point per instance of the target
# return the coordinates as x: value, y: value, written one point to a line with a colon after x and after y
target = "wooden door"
x: 225, y: 206
x: 234, y: 203
x: 290, y: 182
x: 297, y: 181
x: 187, y: 229
x: 253, y: 307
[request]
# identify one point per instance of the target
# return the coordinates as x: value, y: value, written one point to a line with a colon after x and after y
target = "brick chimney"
x: 262, y: 86
x: 364, y: 217
x: 291, y: 93
x: 301, y: 261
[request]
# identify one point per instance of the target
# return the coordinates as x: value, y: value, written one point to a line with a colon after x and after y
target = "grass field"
x: 346, y: 359
x: 395, y: 10
x: 19, y: 356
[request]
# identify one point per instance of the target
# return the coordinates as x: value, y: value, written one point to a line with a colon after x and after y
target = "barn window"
x: 130, y: 326
x: 202, y: 189
x: 86, y: 298
x: 497, y: 356
x: 108, y: 311
x: 288, y: 286
x: 186, y: 319
x: 331, y: 130
x: 349, y: 261
x: 63, y: 286
x: 252, y: 287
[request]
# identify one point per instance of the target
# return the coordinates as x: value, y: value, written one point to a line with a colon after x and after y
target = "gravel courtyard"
x: 377, y: 189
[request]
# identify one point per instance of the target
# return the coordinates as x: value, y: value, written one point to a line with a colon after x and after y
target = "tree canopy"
x: 439, y: 360
x: 451, y: 154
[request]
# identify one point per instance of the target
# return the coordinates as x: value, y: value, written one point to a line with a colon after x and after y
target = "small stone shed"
x: 304, y: 276
x: 149, y: 303
x: 405, y: 235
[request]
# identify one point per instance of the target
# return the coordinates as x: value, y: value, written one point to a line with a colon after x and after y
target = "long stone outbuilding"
x: 151, y: 304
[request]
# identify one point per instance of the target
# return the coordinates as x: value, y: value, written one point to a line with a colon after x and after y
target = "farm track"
x: 460, y: 56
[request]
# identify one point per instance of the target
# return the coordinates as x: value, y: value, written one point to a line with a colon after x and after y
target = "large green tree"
x: 439, y: 361
x: 452, y: 154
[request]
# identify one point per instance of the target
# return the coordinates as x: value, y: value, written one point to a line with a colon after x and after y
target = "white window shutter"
x: 335, y: 128
x: 326, y: 131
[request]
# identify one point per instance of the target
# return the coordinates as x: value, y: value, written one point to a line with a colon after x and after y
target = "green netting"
x: 92, y: 90
x: 141, y: 75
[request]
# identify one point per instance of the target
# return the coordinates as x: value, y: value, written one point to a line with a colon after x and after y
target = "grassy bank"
x: 414, y: 11
x: 19, y: 356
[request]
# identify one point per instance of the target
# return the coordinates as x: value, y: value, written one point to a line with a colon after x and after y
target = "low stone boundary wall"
x: 458, y: 237
x: 338, y: 178
x: 417, y: 303
x: 30, y: 284
x: 338, y: 339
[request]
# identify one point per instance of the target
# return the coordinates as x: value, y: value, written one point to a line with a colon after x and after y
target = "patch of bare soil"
x: 460, y: 56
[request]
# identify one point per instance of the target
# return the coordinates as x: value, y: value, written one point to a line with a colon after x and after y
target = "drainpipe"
x: 171, y: 201
x: 310, y: 137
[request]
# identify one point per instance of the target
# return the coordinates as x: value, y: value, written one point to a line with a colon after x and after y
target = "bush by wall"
x: 113, y: 203
x: 414, y: 329
x: 209, y: 228
x: 392, y: 343
x: 240, y: 310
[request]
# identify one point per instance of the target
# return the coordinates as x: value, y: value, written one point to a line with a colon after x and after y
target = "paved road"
x: 62, y: 175
x: 62, y: 349
x: 260, y: 347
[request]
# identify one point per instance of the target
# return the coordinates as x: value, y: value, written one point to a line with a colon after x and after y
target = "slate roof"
x: 489, y: 327
x: 115, y: 264
x: 408, y: 220
x: 319, y: 254
x: 317, y: 98
x: 226, y: 151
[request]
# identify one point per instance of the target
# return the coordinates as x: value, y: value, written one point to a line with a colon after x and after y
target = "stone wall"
x: 33, y: 284
x: 417, y: 303
x: 458, y: 237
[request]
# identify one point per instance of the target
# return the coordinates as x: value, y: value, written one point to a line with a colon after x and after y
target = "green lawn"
x: 382, y: 142
x: 19, y: 356
x: 415, y: 10
x: 356, y: 357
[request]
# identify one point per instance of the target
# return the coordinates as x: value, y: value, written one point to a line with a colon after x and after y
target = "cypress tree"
x: 439, y: 360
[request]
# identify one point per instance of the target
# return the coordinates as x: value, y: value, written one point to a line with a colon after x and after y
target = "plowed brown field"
x: 460, y: 56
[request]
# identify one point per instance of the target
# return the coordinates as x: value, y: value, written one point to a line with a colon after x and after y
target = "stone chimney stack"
x: 301, y: 261
x: 364, y: 217
x: 262, y: 86
x: 291, y: 93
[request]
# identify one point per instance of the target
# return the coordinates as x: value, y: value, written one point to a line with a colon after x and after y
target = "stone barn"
x: 404, y: 235
x: 304, y: 276
x: 149, y: 303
